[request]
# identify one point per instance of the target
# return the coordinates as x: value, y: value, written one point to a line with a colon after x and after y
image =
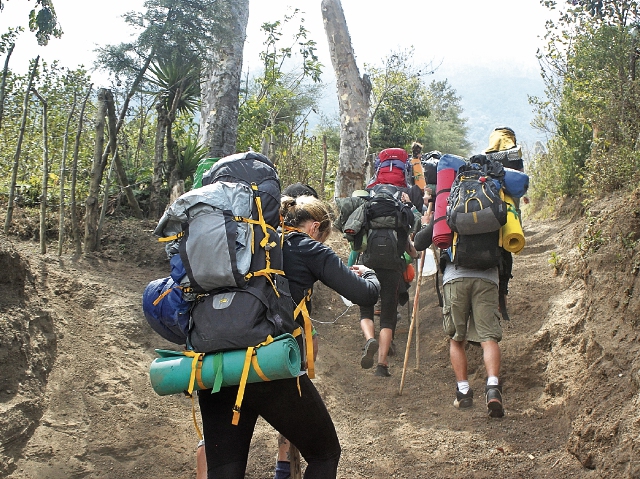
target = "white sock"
x: 463, y: 387
x: 492, y: 381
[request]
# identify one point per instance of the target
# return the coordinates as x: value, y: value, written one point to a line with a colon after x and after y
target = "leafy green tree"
x: 591, y: 111
x: 177, y: 91
x: 43, y: 21
x: 445, y: 129
x: 399, y: 100
x: 276, y: 104
x: 405, y: 109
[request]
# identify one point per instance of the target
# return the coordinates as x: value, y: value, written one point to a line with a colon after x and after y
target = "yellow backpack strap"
x: 248, y: 361
x: 196, y: 369
x: 453, y: 246
x: 197, y: 357
x: 171, y: 238
x: 195, y: 421
x: 308, y: 332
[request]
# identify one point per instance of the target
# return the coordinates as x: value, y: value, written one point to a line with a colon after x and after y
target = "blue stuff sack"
x: 516, y: 183
x: 166, y: 310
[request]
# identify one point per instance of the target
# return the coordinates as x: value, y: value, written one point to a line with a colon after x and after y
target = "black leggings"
x: 301, y: 418
x: 389, y: 289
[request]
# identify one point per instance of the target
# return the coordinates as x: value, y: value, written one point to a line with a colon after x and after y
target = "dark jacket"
x: 423, y: 238
x: 307, y: 261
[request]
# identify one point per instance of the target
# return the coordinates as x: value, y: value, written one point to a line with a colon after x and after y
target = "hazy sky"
x: 460, y: 34
x: 464, y: 38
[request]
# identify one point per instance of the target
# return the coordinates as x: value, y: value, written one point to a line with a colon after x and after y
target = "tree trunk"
x: 3, y: 83
x: 172, y: 145
x: 45, y: 175
x: 63, y: 173
x: 16, y: 158
x: 91, y: 240
x: 325, y: 161
x: 221, y: 87
x: 158, y: 163
x: 113, y: 148
x: 172, y: 158
x: 75, y: 227
x: 353, y: 100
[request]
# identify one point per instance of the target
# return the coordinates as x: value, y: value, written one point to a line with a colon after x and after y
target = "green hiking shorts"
x: 471, y: 310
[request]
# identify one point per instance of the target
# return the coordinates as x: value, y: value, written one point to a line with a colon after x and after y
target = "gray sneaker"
x: 368, y: 351
x: 463, y: 401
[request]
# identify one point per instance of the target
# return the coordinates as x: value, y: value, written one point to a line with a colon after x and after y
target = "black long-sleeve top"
x: 423, y: 238
x: 307, y: 261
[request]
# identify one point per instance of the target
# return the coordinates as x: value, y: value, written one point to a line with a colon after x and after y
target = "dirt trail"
x: 75, y: 400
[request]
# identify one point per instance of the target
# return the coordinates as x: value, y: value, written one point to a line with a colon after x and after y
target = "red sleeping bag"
x: 447, y: 171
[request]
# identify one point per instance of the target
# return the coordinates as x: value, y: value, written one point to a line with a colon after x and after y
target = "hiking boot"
x: 383, y: 371
x: 463, y: 401
x: 494, y: 401
x: 369, y: 350
x: 392, y: 349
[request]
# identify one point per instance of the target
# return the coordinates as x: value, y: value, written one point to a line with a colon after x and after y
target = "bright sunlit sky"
x: 459, y: 35
x: 464, y: 33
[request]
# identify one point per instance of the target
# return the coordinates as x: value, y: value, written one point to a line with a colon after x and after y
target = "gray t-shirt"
x: 452, y: 272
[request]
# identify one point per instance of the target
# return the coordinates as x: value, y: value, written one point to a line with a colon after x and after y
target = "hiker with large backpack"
x: 392, y: 167
x: 384, y: 222
x: 475, y: 214
x: 307, y: 260
x: 294, y: 406
x: 226, y: 250
x: 503, y: 147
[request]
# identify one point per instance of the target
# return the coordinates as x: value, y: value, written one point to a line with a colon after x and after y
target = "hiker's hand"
x: 405, y: 198
x: 360, y: 269
x: 427, y: 194
x: 426, y: 218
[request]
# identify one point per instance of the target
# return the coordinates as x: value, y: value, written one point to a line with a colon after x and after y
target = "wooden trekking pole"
x: 416, y: 301
x: 416, y: 305
x: 294, y: 464
x: 420, y: 269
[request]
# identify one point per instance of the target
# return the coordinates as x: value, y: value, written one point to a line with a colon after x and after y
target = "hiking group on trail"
x: 245, y: 256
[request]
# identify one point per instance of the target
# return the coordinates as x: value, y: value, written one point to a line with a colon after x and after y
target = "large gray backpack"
x: 225, y: 234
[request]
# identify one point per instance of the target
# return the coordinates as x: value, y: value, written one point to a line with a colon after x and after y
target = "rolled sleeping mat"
x: 447, y: 171
x: 172, y: 372
x: 512, y: 234
x: 516, y: 183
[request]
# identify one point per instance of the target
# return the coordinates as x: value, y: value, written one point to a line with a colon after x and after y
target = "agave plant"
x: 174, y: 75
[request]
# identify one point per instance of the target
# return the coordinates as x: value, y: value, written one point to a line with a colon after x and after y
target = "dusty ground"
x: 75, y: 399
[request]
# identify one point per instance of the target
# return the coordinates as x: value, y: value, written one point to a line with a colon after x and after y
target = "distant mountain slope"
x: 490, y: 98
x: 493, y: 98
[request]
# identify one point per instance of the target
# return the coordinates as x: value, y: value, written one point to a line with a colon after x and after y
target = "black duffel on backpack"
x: 388, y: 222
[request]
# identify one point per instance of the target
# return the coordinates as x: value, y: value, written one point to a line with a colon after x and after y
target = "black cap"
x: 299, y: 189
